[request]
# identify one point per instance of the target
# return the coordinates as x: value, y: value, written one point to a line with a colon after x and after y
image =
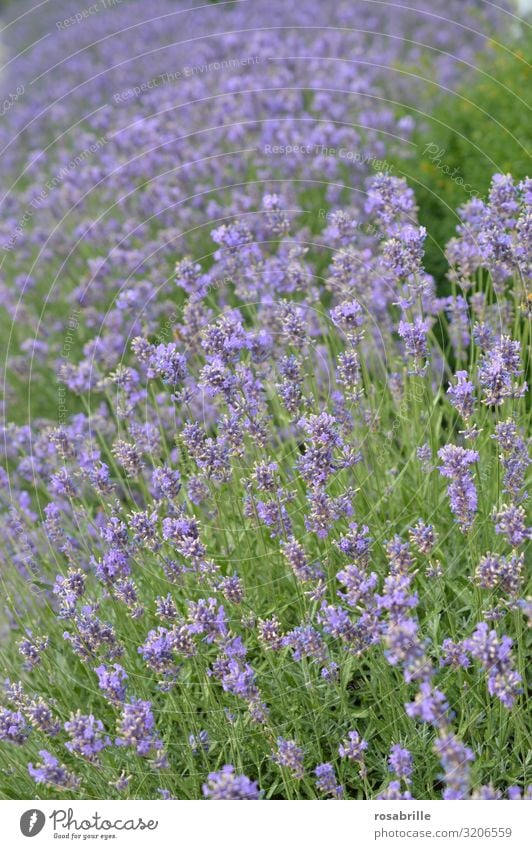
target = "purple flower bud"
x: 462, y: 492
x: 353, y: 748
x: 291, y: 756
x: 326, y: 781
x: 52, y: 773
x: 400, y: 763
x: 455, y: 759
x: 111, y: 682
x: 88, y: 738
x: 496, y: 658
x: 13, y: 727
x: 510, y: 521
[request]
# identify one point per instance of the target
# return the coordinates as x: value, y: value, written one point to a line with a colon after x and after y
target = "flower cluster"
x: 226, y: 541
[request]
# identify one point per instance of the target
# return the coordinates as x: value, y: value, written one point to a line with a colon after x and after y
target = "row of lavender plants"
x: 263, y: 483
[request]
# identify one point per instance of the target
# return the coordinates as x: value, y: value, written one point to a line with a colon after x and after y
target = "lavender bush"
x: 263, y: 486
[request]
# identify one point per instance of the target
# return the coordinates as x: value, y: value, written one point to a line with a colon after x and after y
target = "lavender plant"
x: 265, y: 525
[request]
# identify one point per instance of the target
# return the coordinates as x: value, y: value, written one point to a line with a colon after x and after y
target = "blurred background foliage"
x: 484, y: 127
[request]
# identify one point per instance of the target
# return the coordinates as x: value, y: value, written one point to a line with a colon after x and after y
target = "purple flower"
x: 503, y: 198
x: 359, y: 585
x: 125, y: 590
x: 325, y: 510
x: 510, y: 521
x: 183, y: 533
x: 414, y: 335
x: 424, y: 455
x: 399, y: 555
x: 298, y: 561
x: 461, y: 395
x: 129, y: 456
x: 199, y: 742
x: 136, y: 728
x: 515, y: 793
x: 13, y: 727
x: 166, y: 362
x: 226, y: 784
x: 189, y: 277
x: 497, y: 571
x: 337, y: 622
x: 265, y: 476
x: 305, y: 641
x: 165, y: 794
x: 397, y: 597
x: 353, y: 747
x: 486, y: 792
x: 394, y: 792
x: 238, y: 678
x: 400, y: 763
x: 144, y: 528
x: 290, y: 387
x: 462, y: 492
x: 166, y: 482
x: 349, y: 375
x: 423, y: 537
x: 113, y: 565
x: 157, y: 651
x: 356, y: 544
x: 69, y: 588
x: 111, y: 681
x: 326, y: 781
x: 182, y: 639
x: 404, y: 648
x: 41, y: 717
x: 277, y: 219
x: 497, y: 371
x: 232, y: 589
x: 514, y: 458
x: 455, y: 759
x: 454, y: 654
x: 430, y: 705
x: 165, y: 608
x: 88, y: 738
x: 31, y: 649
x: 389, y: 200
x: 456, y: 460
x: 275, y: 516
x: 208, y: 618
x: 270, y: 633
x: 403, y: 253
x: 495, y: 656
x: 349, y: 317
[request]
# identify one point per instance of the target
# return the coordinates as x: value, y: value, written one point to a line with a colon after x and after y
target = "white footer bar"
x: 275, y: 825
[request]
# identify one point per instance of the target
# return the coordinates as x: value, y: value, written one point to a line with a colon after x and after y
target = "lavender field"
x: 265, y: 322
